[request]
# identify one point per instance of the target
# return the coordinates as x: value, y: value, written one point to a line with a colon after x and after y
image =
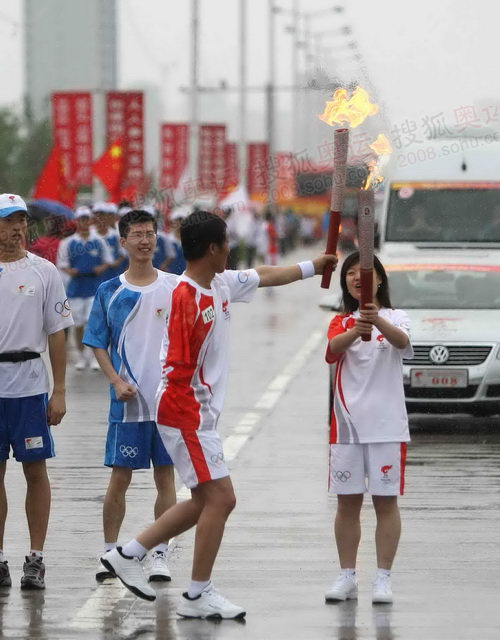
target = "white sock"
x: 162, y: 548
x: 196, y: 587
x: 348, y: 572
x: 109, y: 546
x: 383, y: 573
x: 35, y: 552
x: 134, y: 549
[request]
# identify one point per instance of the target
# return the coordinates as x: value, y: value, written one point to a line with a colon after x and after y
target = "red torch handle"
x: 366, y: 277
x: 331, y: 246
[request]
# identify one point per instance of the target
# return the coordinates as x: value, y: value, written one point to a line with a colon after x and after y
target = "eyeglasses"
x: 135, y: 235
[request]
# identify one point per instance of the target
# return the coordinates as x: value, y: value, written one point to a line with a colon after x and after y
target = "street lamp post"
x: 194, y: 107
x: 270, y: 105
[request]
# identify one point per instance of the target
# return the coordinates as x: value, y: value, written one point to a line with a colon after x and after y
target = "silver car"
x: 454, y: 305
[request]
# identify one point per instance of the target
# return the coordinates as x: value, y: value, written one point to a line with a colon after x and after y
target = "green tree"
x: 24, y: 148
x: 10, y: 125
x: 33, y: 150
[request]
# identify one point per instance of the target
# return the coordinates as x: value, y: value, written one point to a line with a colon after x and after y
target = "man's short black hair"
x: 198, y: 231
x: 136, y: 216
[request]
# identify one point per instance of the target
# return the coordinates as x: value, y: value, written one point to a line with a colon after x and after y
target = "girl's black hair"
x: 350, y: 304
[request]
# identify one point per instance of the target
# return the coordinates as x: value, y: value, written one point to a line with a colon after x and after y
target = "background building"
x: 69, y: 45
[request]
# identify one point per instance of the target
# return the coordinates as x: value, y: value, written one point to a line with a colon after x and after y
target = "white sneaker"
x: 81, y: 363
x: 345, y: 587
x: 102, y: 573
x: 130, y: 572
x: 94, y: 365
x: 209, y: 604
x: 158, y: 569
x: 382, y: 590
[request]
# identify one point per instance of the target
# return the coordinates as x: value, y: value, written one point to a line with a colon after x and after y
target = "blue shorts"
x: 24, y: 427
x: 135, y: 445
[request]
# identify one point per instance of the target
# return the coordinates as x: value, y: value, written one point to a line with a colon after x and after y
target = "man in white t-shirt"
x: 195, y: 358
x: 34, y: 312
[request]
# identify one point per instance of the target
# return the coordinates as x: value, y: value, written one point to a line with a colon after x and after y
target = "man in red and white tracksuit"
x: 195, y: 358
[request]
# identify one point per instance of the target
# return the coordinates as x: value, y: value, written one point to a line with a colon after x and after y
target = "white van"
x: 443, y: 193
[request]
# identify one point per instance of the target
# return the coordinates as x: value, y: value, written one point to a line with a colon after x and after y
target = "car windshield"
x: 441, y: 287
x: 436, y: 212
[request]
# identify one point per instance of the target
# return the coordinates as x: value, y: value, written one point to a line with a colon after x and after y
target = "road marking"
x: 103, y: 600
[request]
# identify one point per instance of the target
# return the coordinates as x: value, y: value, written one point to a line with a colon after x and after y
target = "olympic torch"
x: 340, y: 148
x: 351, y: 111
x: 366, y: 238
x: 366, y: 222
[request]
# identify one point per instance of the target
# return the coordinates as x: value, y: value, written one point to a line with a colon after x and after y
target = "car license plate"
x: 439, y: 378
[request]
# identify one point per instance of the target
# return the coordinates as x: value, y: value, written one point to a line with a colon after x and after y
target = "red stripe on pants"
x: 404, y: 449
x: 197, y: 456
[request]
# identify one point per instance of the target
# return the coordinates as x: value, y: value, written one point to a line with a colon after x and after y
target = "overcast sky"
x: 422, y: 57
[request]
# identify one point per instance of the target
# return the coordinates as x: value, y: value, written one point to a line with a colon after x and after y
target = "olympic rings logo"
x: 342, y: 476
x: 63, y: 308
x: 217, y: 458
x: 129, y: 452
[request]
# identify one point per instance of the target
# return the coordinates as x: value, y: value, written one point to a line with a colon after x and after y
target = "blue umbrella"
x: 44, y: 207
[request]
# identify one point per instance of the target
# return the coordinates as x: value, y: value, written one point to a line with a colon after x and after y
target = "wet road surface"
x: 278, y: 555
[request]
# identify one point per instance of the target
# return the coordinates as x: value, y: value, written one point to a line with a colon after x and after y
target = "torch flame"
x: 353, y: 110
x: 381, y: 145
x: 374, y: 178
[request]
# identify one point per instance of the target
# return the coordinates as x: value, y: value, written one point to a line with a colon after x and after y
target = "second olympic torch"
x: 340, y: 149
x: 366, y: 237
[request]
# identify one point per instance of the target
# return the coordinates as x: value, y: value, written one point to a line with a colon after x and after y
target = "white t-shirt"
x: 129, y: 321
x: 33, y: 306
x: 369, y: 401
x: 195, y: 350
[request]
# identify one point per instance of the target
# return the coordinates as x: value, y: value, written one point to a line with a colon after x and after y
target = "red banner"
x: 125, y: 120
x: 231, y: 171
x: 286, y: 183
x: 211, y: 159
x: 72, y: 122
x: 258, y: 168
x: 174, y: 154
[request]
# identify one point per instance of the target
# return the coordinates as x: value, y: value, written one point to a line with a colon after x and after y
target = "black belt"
x: 18, y: 356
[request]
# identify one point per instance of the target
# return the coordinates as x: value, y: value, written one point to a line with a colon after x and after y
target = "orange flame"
x: 374, y: 178
x: 381, y: 145
x: 353, y: 110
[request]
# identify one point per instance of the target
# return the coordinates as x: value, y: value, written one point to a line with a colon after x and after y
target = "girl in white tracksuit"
x: 369, y: 424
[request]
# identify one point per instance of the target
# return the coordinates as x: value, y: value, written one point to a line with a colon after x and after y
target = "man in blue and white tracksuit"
x: 84, y: 256
x: 125, y: 329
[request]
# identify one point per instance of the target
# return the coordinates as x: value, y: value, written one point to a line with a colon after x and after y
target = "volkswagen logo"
x: 439, y: 354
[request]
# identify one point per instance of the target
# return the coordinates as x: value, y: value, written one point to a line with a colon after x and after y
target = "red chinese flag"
x: 109, y: 169
x: 52, y: 182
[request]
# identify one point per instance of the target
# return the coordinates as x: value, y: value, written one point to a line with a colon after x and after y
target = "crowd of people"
x: 162, y: 340
x: 87, y: 251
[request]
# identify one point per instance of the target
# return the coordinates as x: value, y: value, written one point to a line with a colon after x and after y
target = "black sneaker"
x: 5, y: 580
x: 33, y: 573
x: 103, y: 574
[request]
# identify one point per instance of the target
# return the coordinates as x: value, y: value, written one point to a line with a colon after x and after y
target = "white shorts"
x: 197, y: 455
x: 376, y: 468
x: 80, y: 310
